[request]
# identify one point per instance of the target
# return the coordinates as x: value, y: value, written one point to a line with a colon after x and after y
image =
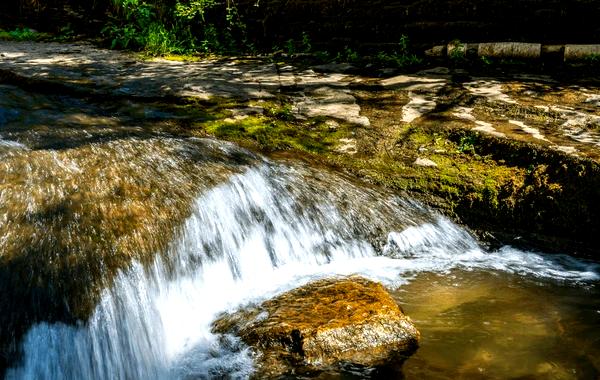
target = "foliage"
x: 347, y: 55
x: 281, y: 112
x: 401, y: 56
x: 65, y: 33
x: 306, y: 44
x: 193, y: 9
x: 182, y: 27
x: 292, y: 47
x: 593, y: 59
x: 22, y: 34
x: 457, y: 52
x: 130, y: 28
x: 274, y: 134
x: 467, y: 144
x: 486, y: 61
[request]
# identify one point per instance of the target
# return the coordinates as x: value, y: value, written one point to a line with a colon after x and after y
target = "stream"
x: 179, y: 229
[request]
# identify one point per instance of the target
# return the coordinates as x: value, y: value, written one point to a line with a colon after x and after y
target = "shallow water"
x: 490, y: 324
x: 235, y: 229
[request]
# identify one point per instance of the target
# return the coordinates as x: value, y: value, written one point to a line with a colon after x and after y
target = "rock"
x: 440, y: 70
x: 332, y: 125
x: 330, y: 102
x: 387, y: 71
x: 518, y: 50
x: 334, y: 68
x: 581, y: 52
x: 492, y: 90
x: 323, y: 323
x: 426, y: 162
x: 436, y: 51
x: 247, y: 111
x: 416, y: 107
x: 413, y: 83
x: 347, y: 146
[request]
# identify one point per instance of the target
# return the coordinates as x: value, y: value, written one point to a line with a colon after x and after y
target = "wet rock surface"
x: 326, y: 322
x: 496, y: 139
x: 531, y: 108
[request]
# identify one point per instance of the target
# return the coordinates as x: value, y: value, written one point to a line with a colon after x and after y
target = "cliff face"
x: 378, y: 21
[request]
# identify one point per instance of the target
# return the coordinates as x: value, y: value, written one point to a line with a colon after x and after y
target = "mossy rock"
x: 326, y: 322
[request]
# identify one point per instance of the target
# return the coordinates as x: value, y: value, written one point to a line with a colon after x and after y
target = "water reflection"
x: 477, y: 324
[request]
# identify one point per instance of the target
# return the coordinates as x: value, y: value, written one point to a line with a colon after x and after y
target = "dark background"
x: 549, y: 21
x: 361, y: 22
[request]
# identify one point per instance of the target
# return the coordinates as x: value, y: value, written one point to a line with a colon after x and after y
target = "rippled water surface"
x: 176, y: 230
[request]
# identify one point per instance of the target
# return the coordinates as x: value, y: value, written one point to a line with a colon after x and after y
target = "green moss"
x: 279, y: 111
x: 200, y: 109
x: 271, y: 134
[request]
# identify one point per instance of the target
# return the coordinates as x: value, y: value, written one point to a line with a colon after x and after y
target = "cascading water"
x: 263, y: 231
x: 204, y: 227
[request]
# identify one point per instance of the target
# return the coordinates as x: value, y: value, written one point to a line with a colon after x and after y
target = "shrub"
x: 22, y: 34
x: 159, y: 28
x: 401, y: 56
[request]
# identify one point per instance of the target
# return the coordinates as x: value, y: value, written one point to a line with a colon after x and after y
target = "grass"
x: 23, y: 34
x: 66, y: 33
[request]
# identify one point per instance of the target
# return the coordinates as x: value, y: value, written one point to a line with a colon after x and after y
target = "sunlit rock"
x: 426, y: 162
x: 323, y: 323
x: 330, y: 102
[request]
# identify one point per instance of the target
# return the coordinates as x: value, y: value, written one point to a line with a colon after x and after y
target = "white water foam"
x: 247, y: 240
x: 11, y: 144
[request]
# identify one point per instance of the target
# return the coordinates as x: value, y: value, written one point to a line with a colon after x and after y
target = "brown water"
x: 495, y: 325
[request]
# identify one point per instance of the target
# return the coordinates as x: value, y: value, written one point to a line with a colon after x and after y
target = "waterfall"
x: 264, y: 231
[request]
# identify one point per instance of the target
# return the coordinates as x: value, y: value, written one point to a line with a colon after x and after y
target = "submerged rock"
x: 349, y: 320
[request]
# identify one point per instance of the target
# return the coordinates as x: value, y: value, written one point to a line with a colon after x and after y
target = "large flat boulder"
x: 326, y: 322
